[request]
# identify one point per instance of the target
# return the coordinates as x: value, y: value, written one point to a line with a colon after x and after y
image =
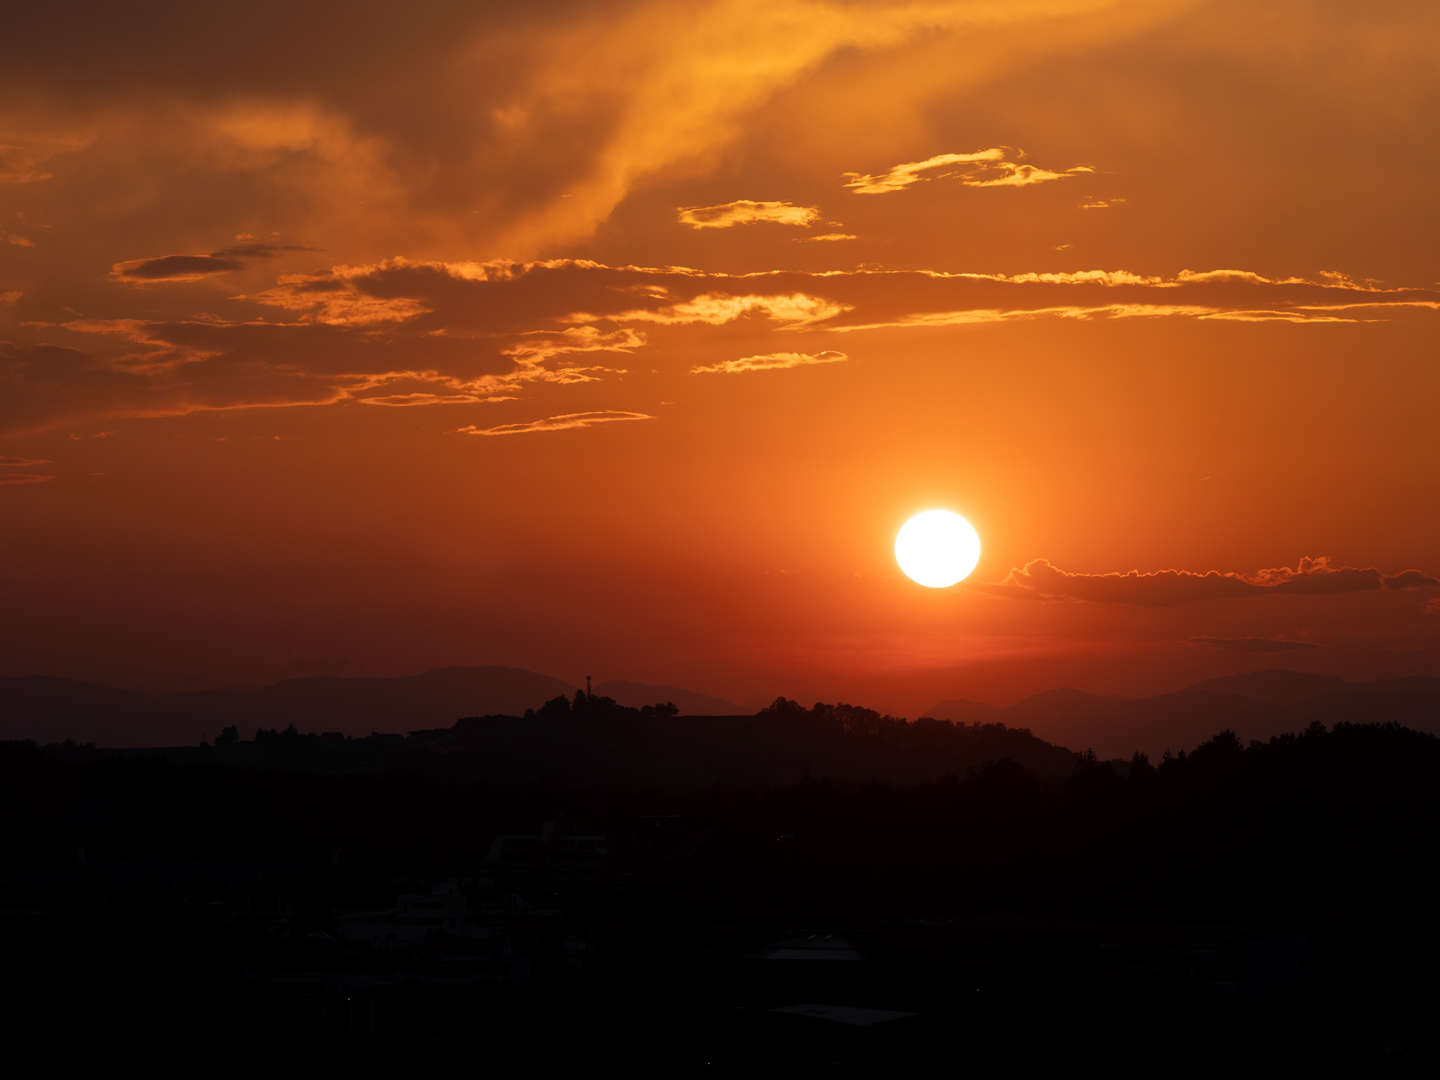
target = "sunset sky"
x: 621, y: 338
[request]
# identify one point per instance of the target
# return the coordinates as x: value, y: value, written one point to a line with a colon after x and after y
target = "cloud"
x: 175, y: 268
x: 1255, y: 645
x: 20, y: 462
x: 408, y: 333
x: 19, y: 165
x: 685, y: 80
x: 24, y: 480
x: 770, y: 362
x: 553, y: 114
x: 419, y: 398
x: 746, y: 212
x: 563, y: 422
x: 990, y: 167
x: 791, y: 310
x: 195, y: 267
x: 826, y: 238
x: 536, y: 348
x: 1312, y: 576
x: 1093, y: 203
x: 504, y: 296
x: 1212, y: 295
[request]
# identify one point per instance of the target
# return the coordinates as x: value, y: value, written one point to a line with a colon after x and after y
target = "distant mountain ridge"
x: 52, y: 710
x: 1255, y: 705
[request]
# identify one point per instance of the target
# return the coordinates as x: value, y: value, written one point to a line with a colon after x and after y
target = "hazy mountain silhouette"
x: 1255, y: 705
x: 52, y: 710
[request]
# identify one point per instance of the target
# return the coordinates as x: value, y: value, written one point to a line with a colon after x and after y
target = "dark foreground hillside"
x: 843, y: 895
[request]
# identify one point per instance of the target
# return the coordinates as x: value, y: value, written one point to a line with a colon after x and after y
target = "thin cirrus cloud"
x: 1312, y: 576
x: 770, y: 362
x: 746, y: 212
x: 991, y: 167
x: 563, y: 422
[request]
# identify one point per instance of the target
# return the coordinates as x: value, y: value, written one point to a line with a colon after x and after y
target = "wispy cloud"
x: 20, y: 165
x: 563, y: 422
x: 770, y: 362
x: 995, y: 166
x: 746, y: 212
x: 21, y: 462
x: 826, y: 238
x: 1094, y: 203
x: 24, y: 480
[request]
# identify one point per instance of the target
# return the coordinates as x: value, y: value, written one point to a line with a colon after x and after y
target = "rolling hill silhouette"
x: 1255, y: 705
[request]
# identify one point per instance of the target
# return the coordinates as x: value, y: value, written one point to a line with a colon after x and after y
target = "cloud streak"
x: 563, y: 422
x: 24, y: 480
x: 991, y: 167
x: 770, y: 362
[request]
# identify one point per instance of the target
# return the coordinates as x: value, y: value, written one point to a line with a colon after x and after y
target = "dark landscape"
x: 820, y: 888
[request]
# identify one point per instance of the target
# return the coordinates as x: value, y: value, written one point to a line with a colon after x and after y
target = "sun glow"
x: 937, y: 548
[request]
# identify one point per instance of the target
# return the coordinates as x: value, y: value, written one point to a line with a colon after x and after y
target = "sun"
x: 937, y: 548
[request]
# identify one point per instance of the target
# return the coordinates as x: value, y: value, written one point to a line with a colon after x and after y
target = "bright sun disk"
x: 937, y: 548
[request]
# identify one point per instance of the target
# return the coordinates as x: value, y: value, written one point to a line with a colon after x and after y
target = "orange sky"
x: 621, y: 338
